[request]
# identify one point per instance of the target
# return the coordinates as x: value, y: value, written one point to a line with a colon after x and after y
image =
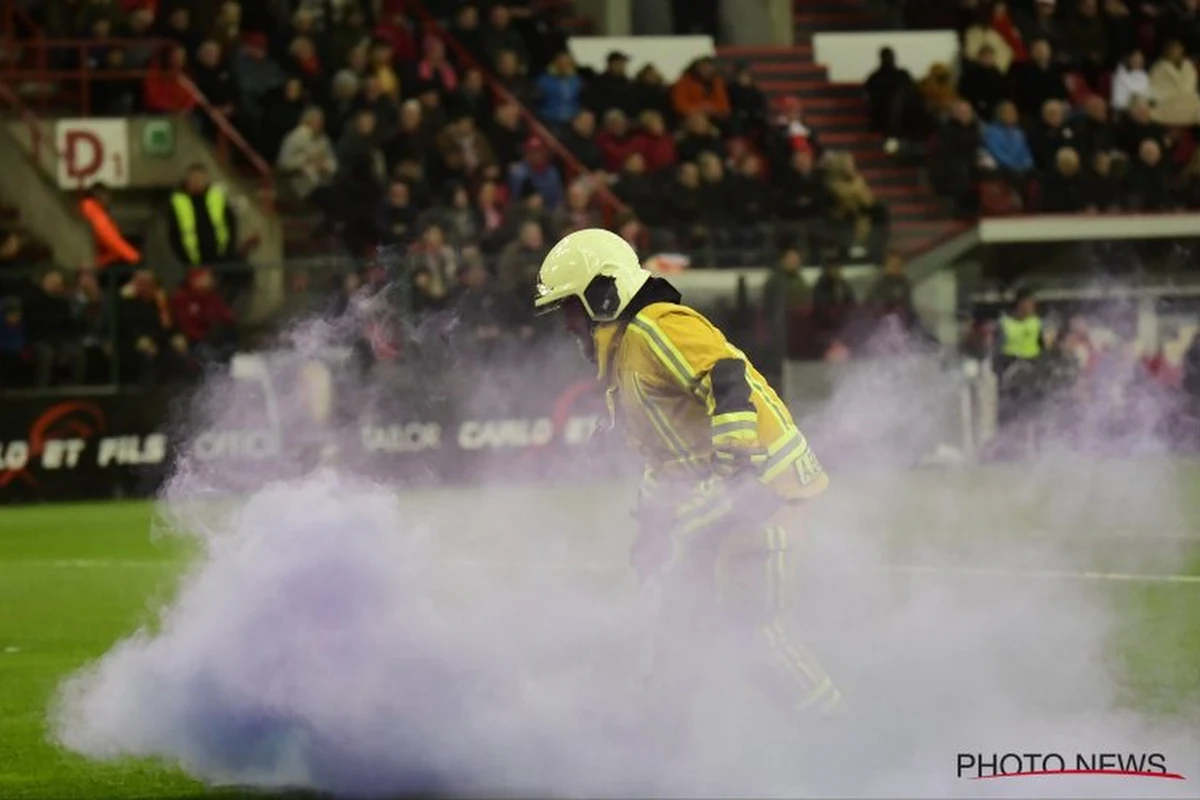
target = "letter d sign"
x: 92, y: 151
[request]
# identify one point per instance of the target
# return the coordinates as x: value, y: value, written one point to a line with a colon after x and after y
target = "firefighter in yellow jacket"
x: 725, y: 465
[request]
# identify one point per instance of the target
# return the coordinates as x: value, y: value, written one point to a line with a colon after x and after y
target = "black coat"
x: 396, y: 226
x: 48, y: 318
x: 1062, y: 194
x: 607, y: 91
x: 486, y: 307
x: 1033, y: 86
x: 714, y: 200
x: 1045, y: 142
x: 1130, y: 135
x: 689, y: 148
x: 583, y: 148
x: 217, y: 84
x: 749, y: 107
x: 800, y: 197
x: 1147, y: 188
x: 984, y: 88
x: 957, y: 150
x: 139, y: 318
x: 749, y: 201
x: 1092, y: 136
x: 685, y: 206
x: 643, y: 194
x: 648, y: 97
x: 1103, y: 192
x: 506, y: 142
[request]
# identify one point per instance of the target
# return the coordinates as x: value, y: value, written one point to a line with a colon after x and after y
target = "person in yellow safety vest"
x: 726, y: 475
x: 1021, y: 334
x: 203, y: 229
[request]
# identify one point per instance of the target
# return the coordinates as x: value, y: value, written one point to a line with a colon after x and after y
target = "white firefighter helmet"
x: 595, y: 266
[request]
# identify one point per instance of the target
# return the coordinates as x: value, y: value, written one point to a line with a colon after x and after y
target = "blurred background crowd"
x: 440, y: 152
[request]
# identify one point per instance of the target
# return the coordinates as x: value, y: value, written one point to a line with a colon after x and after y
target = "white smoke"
x: 337, y: 635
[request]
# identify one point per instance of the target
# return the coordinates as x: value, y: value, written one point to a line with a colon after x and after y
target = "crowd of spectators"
x: 114, y: 320
x: 380, y: 125
x: 347, y: 97
x: 828, y: 321
x: 89, y: 327
x: 1072, y: 106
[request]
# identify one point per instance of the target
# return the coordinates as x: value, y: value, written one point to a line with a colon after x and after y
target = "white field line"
x: 1044, y: 574
x: 603, y: 567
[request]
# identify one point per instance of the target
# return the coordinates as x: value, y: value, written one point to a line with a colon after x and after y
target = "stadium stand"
x: 448, y: 144
x: 1080, y: 107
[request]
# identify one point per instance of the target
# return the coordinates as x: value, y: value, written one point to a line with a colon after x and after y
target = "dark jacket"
x: 749, y: 200
x: 643, y: 194
x: 48, y: 318
x: 1045, y: 142
x: 1092, y: 136
x: 956, y: 153
x: 749, y: 107
x: 607, y: 91
x: 1063, y: 194
x: 892, y: 294
x: 396, y: 225
x: 685, y: 206
x: 217, y: 84
x: 1147, y: 188
x: 800, y: 197
x: 833, y: 304
x: 1033, y: 86
x: 140, y: 317
x: 506, y: 142
x: 689, y: 148
x: 1103, y: 192
x: 1130, y: 135
x: 984, y: 88
x: 647, y: 97
x: 715, y: 202
x: 583, y: 148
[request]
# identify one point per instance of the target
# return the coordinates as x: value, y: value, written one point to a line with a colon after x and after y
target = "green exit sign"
x: 158, y: 138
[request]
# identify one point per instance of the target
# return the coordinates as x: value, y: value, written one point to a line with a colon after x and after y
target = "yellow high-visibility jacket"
x: 686, y: 398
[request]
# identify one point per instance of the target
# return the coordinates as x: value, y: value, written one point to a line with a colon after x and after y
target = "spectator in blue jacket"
x: 535, y: 171
x: 1006, y: 143
x: 560, y: 92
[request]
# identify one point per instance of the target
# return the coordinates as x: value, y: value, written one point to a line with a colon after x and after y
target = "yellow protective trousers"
x: 727, y: 597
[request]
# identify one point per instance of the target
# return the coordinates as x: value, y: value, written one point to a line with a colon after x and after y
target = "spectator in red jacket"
x: 655, y: 143
x: 162, y: 92
x: 202, y: 316
x: 616, y: 142
x: 394, y: 29
x: 435, y: 68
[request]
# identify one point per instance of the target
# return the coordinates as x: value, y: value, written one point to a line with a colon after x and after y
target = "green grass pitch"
x: 74, y: 579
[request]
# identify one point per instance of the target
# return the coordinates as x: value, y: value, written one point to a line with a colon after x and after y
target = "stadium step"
x: 835, y: 19
x: 838, y: 112
x: 764, y: 54
x: 851, y: 141
x: 838, y: 123
x: 800, y: 70
x: 825, y: 16
x: 835, y: 105
x: 888, y: 175
x: 810, y: 87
